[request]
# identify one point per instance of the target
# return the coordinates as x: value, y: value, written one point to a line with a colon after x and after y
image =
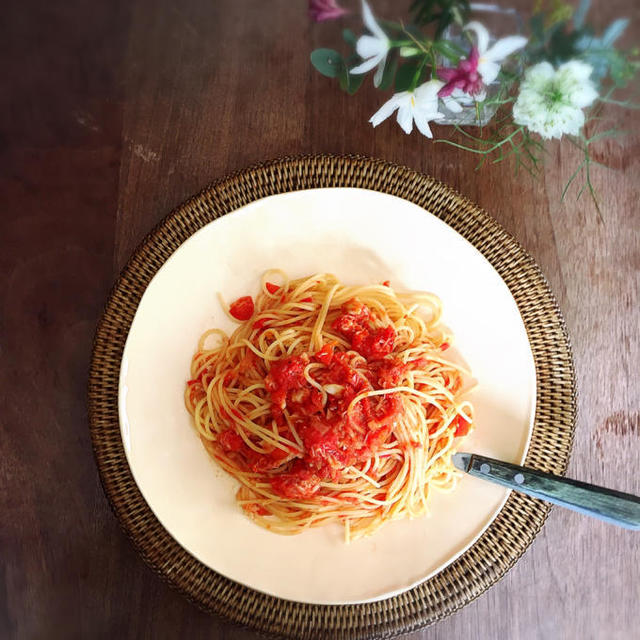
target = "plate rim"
x: 412, y: 609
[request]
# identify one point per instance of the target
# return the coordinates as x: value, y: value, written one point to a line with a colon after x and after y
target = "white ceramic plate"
x: 361, y: 236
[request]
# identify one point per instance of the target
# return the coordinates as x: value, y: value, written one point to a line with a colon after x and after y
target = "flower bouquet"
x: 547, y: 81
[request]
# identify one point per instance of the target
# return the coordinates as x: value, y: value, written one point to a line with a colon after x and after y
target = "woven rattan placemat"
x: 502, y: 543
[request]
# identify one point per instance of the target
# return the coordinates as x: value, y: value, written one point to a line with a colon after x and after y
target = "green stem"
x: 420, y: 45
x: 571, y: 179
x: 418, y: 73
x: 621, y: 103
x: 400, y: 43
x: 484, y: 152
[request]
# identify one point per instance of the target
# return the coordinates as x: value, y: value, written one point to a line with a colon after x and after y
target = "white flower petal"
x: 459, y: 93
x: 367, y: 65
x: 451, y: 104
x: 405, y: 118
x: 539, y: 73
x: 368, y: 46
x: 386, y: 109
x: 370, y: 22
x: 488, y: 71
x: 503, y: 48
x: 428, y: 91
x: 480, y: 96
x: 423, y: 126
x: 550, y: 102
x: 585, y: 96
x: 427, y: 115
x: 377, y: 78
x: 576, y: 68
x: 572, y: 79
x: 482, y: 35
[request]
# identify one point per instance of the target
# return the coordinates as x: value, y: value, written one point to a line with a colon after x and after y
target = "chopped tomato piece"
x: 258, y: 509
x: 389, y: 373
x: 272, y: 288
x: 285, y: 375
x: 296, y: 486
x: 242, y: 309
x: 386, y: 283
x: 261, y: 323
x: 287, y: 372
x: 307, y: 299
x: 355, y: 316
x: 278, y: 454
x: 377, y: 437
x: 375, y: 343
x: 247, y: 363
x: 444, y: 346
x: 355, y: 324
x: 325, y: 355
x: 462, y: 427
x: 230, y: 441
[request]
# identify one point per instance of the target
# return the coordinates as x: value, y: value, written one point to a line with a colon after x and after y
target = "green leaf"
x: 537, y: 27
x: 442, y: 12
x: 349, y: 38
x: 355, y: 82
x: 350, y: 82
x: 449, y: 50
x: 328, y: 62
x: 581, y: 12
x: 620, y: 68
x: 409, y: 52
x: 414, y: 31
x: 389, y: 73
x: 405, y: 76
x: 614, y: 31
x: 344, y: 79
x: 562, y: 45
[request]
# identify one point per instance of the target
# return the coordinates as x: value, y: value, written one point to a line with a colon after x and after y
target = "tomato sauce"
x: 334, y: 434
x: 333, y: 437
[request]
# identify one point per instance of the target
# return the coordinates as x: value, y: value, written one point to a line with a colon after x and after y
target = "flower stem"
x: 484, y: 152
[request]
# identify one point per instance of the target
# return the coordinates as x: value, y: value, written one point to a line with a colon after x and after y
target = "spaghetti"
x: 330, y: 403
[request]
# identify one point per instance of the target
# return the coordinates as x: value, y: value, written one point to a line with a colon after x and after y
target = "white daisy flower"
x: 373, y: 49
x: 551, y: 101
x: 419, y: 106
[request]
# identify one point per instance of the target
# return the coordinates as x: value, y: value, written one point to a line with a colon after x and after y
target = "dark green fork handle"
x: 611, y: 506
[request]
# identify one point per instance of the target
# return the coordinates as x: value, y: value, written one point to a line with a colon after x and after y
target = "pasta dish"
x: 331, y: 403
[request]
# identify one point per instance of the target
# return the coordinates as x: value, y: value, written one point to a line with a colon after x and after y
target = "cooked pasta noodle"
x: 330, y: 402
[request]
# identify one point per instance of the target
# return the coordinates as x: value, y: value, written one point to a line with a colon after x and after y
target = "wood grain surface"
x: 111, y: 114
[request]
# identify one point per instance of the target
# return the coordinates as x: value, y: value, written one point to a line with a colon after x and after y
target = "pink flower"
x: 464, y: 77
x: 481, y: 68
x: 320, y: 10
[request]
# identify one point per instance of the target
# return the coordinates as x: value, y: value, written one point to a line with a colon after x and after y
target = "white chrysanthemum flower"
x: 551, y: 101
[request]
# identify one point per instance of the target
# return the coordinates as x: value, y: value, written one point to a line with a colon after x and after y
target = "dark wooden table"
x: 111, y: 114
